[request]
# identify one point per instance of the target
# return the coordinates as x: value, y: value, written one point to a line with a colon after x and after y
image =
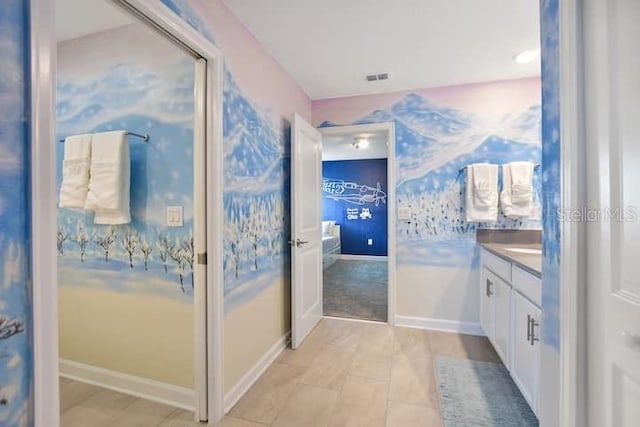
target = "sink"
x: 526, y: 251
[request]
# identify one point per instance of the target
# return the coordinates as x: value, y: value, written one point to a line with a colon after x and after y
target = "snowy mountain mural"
x: 145, y: 255
x: 256, y: 201
x: 432, y: 145
x: 15, y: 293
x: 256, y: 197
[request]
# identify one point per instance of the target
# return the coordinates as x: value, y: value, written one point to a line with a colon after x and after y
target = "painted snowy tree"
x: 8, y: 328
x: 130, y: 242
x: 81, y: 238
x: 105, y: 241
x: 189, y: 255
x: 146, y: 249
x: 63, y: 236
x: 163, y: 250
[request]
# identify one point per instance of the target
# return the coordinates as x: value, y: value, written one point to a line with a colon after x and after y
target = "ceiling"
x: 329, y: 46
x: 77, y: 18
x: 340, y: 147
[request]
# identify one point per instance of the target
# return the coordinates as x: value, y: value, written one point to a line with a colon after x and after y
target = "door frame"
x: 43, y: 197
x: 573, y: 234
x: 389, y: 127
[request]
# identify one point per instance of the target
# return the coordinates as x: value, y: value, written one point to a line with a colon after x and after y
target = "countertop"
x: 531, y: 263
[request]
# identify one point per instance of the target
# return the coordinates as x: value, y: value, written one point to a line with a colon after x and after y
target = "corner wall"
x: 257, y: 113
x: 16, y: 372
x: 551, y: 170
x: 438, y: 131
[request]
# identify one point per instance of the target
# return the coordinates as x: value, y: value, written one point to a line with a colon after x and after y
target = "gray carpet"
x: 480, y: 394
x: 356, y: 289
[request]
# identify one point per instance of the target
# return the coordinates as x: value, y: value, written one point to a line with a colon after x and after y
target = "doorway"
x: 306, y: 226
x: 355, y: 224
x: 166, y: 245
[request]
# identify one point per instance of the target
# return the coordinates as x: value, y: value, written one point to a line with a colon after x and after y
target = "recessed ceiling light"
x: 527, y: 56
x: 360, y: 143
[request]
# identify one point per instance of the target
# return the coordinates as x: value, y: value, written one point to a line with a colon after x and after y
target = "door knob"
x: 298, y: 242
x: 631, y: 341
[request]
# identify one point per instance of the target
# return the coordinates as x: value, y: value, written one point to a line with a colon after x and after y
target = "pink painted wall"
x: 257, y: 73
x: 481, y: 99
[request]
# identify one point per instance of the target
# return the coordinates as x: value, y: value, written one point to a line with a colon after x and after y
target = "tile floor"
x: 346, y: 374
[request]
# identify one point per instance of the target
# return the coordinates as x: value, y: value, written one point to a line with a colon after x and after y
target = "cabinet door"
x: 525, y: 362
x: 487, y: 280
x: 502, y: 320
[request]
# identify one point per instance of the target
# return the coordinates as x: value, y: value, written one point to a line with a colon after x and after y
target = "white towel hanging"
x: 75, y: 171
x: 109, y: 184
x: 517, y: 189
x: 482, y: 193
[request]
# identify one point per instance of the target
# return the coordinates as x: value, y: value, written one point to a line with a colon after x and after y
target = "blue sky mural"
x: 144, y: 97
x: 432, y: 144
x: 550, y: 173
x: 15, y: 295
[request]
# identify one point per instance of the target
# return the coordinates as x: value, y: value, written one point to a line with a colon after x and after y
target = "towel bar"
x: 143, y: 136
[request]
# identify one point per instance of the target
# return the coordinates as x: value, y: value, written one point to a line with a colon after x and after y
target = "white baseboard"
x: 156, y: 391
x: 245, y: 383
x: 349, y: 319
x: 468, y: 328
x: 362, y: 257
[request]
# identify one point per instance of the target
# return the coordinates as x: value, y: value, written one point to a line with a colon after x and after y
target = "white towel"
x: 517, y: 189
x: 482, y: 193
x: 75, y: 171
x: 109, y: 182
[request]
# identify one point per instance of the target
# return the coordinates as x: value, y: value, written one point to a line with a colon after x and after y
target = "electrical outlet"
x: 370, y: 242
x: 174, y: 216
x: 404, y: 213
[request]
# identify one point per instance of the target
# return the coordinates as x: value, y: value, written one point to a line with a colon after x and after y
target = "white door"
x: 525, y: 363
x: 306, y: 230
x: 612, y: 117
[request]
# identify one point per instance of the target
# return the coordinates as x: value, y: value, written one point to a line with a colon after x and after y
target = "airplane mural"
x: 352, y: 192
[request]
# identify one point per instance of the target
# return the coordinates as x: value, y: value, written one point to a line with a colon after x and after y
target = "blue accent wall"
x: 15, y: 283
x: 355, y: 196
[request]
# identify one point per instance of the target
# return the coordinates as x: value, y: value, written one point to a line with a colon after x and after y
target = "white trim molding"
x: 572, y: 393
x: 145, y: 388
x: 454, y: 326
x: 348, y: 257
x: 43, y: 219
x: 251, y: 376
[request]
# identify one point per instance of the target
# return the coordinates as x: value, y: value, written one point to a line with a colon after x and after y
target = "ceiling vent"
x: 377, y: 77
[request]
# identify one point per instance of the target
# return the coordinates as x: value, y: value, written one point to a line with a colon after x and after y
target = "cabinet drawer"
x: 528, y: 285
x: 497, y: 265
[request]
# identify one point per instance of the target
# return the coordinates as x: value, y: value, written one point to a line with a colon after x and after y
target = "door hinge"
x: 202, y: 258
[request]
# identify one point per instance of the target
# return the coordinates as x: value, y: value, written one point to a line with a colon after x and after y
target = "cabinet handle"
x: 528, y: 327
x: 534, y: 324
x: 489, y: 292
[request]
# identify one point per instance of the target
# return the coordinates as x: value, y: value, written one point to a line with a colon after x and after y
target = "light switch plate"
x: 404, y: 213
x: 174, y: 216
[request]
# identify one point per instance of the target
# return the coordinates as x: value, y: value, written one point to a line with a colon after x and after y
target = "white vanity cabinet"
x: 510, y: 317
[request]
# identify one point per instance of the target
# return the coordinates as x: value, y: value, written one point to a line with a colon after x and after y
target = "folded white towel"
x: 110, y: 175
x: 482, y: 193
x: 517, y: 189
x: 75, y: 171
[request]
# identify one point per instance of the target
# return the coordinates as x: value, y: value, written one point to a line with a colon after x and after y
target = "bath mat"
x: 480, y: 394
